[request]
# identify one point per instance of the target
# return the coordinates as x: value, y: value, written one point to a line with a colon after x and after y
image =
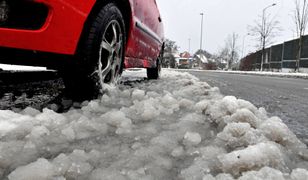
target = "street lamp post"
x: 264, y: 34
x: 243, y: 45
x: 189, y: 45
x: 201, y: 39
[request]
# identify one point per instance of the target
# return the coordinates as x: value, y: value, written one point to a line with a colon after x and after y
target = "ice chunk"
x: 178, y: 151
x: 24, y: 125
x: 197, y: 170
x: 245, y: 116
x: 185, y: 103
x: 38, y: 132
x: 261, y: 113
x: 264, y: 173
x: 41, y: 169
x: 170, y: 103
x: 119, y: 120
x: 230, y: 104
x: 163, y: 162
x: 93, y: 106
x: 61, y: 163
x: 31, y: 111
x: 205, y: 163
x: 153, y: 94
x: 246, y: 104
x: 79, y: 170
x: 192, y: 139
x: 74, y: 166
x: 138, y: 94
x: 235, y: 130
x: 224, y: 176
x: 202, y: 106
x: 211, y: 152
x: 208, y: 177
x: 218, y: 177
x: 54, y: 107
x: 79, y: 155
x: 237, y: 135
x: 84, y: 103
x: 5, y: 127
x: 139, y: 174
x: 150, y: 111
x: 51, y: 119
x: 277, y: 131
x: 85, y: 128
x: 6, y: 115
x: 11, y: 153
x: 221, y: 108
x: 69, y: 133
x: 108, y: 174
x: 252, y: 158
x: 299, y: 174
x: 167, y: 141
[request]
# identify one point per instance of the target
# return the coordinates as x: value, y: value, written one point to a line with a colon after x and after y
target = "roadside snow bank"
x: 302, y: 75
x: 173, y: 128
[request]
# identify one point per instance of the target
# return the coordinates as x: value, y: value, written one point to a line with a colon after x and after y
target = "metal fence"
x: 278, y: 57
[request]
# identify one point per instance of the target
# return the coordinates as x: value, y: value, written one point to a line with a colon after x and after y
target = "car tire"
x: 100, y: 56
x: 154, y: 73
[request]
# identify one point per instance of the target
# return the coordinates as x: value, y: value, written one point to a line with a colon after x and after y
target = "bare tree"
x: 223, y: 56
x: 229, y: 52
x: 232, y: 44
x: 300, y: 19
x: 264, y: 30
x: 170, y: 46
x: 170, y: 49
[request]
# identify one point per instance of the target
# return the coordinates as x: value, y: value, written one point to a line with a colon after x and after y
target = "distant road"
x: 283, y: 97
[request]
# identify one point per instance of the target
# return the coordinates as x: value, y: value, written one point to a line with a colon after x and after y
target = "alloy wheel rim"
x: 110, y: 54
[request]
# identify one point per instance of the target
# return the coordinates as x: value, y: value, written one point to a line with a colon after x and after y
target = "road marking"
x: 306, y: 88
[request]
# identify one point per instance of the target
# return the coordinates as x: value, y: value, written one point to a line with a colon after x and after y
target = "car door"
x: 149, y: 25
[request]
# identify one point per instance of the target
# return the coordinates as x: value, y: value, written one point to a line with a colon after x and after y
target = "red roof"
x: 185, y: 55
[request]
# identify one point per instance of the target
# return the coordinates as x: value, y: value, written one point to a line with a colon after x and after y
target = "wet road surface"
x: 283, y: 97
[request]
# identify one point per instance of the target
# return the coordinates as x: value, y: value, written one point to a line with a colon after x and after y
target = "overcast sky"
x: 182, y: 21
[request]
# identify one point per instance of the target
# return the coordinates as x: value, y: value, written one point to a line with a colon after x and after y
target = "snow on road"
x: 259, y: 73
x: 7, y: 67
x: 174, y: 128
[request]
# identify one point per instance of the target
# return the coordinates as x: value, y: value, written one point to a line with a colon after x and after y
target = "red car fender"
x: 145, y: 36
x: 51, y: 38
x: 71, y: 15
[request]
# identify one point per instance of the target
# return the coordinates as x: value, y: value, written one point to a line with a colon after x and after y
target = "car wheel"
x: 101, y: 55
x: 154, y: 73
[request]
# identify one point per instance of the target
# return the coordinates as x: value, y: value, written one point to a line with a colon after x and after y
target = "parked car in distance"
x: 184, y: 63
x: 88, y: 41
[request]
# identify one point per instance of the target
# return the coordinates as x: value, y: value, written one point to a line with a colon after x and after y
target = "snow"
x: 290, y: 74
x: 192, y: 139
x: 202, y: 58
x: 252, y: 157
x: 173, y: 128
x: 41, y: 169
x: 277, y: 74
x: 7, y: 67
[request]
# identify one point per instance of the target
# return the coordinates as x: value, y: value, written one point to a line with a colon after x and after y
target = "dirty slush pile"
x: 174, y: 128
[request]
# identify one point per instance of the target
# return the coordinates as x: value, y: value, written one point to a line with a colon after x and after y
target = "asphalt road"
x: 20, y: 89
x: 286, y: 98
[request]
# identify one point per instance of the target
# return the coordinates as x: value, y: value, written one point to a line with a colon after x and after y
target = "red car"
x: 88, y: 41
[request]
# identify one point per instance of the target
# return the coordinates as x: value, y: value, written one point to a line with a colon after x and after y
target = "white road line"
x: 306, y: 88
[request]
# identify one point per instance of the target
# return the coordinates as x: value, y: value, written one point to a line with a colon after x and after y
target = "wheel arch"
x: 123, y: 5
